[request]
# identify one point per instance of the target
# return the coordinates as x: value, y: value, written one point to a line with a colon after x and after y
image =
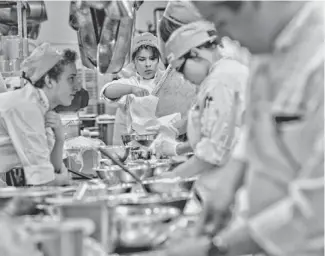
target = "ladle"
x: 120, y: 164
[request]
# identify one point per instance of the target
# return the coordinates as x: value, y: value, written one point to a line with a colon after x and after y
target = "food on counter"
x: 82, y: 142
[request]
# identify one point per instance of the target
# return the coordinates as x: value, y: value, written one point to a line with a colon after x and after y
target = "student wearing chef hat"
x: 27, y: 155
x: 213, y: 123
x: 145, y: 57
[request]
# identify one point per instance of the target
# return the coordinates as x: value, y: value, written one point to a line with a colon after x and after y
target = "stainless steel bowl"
x: 144, y: 226
x: 175, y: 199
x: 169, y: 185
x: 143, y: 139
x: 115, y: 174
x: 143, y: 169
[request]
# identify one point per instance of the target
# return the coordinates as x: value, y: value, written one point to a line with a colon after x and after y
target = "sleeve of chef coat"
x: 219, y: 131
x: 296, y: 223
x: 25, y: 126
x: 122, y: 100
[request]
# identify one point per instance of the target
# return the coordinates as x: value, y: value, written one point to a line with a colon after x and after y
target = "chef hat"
x: 144, y: 39
x: 187, y: 37
x: 40, y: 61
x: 181, y: 12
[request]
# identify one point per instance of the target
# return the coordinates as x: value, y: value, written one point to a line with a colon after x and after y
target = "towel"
x: 143, y: 114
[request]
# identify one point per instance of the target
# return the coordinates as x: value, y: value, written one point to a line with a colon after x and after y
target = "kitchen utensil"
x: 117, y: 162
x: 80, y: 175
x: 121, y: 152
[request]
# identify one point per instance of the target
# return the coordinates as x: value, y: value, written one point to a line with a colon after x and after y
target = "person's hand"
x: 192, y: 246
x: 62, y: 178
x: 53, y: 120
x: 139, y: 92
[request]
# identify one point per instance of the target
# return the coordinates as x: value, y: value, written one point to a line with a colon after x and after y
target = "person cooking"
x: 176, y: 14
x: 145, y: 56
x: 282, y: 158
x: 28, y: 154
x: 214, y: 122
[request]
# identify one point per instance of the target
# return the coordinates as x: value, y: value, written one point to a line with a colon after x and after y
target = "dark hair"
x: 155, y: 51
x: 166, y: 28
x: 69, y: 57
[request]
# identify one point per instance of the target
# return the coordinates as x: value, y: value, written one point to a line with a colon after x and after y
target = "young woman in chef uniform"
x: 145, y: 56
x: 31, y: 133
x: 214, y: 122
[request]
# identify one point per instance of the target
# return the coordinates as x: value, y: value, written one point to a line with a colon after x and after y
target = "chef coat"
x: 285, y: 136
x: 214, y: 123
x: 122, y: 119
x: 23, y: 136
